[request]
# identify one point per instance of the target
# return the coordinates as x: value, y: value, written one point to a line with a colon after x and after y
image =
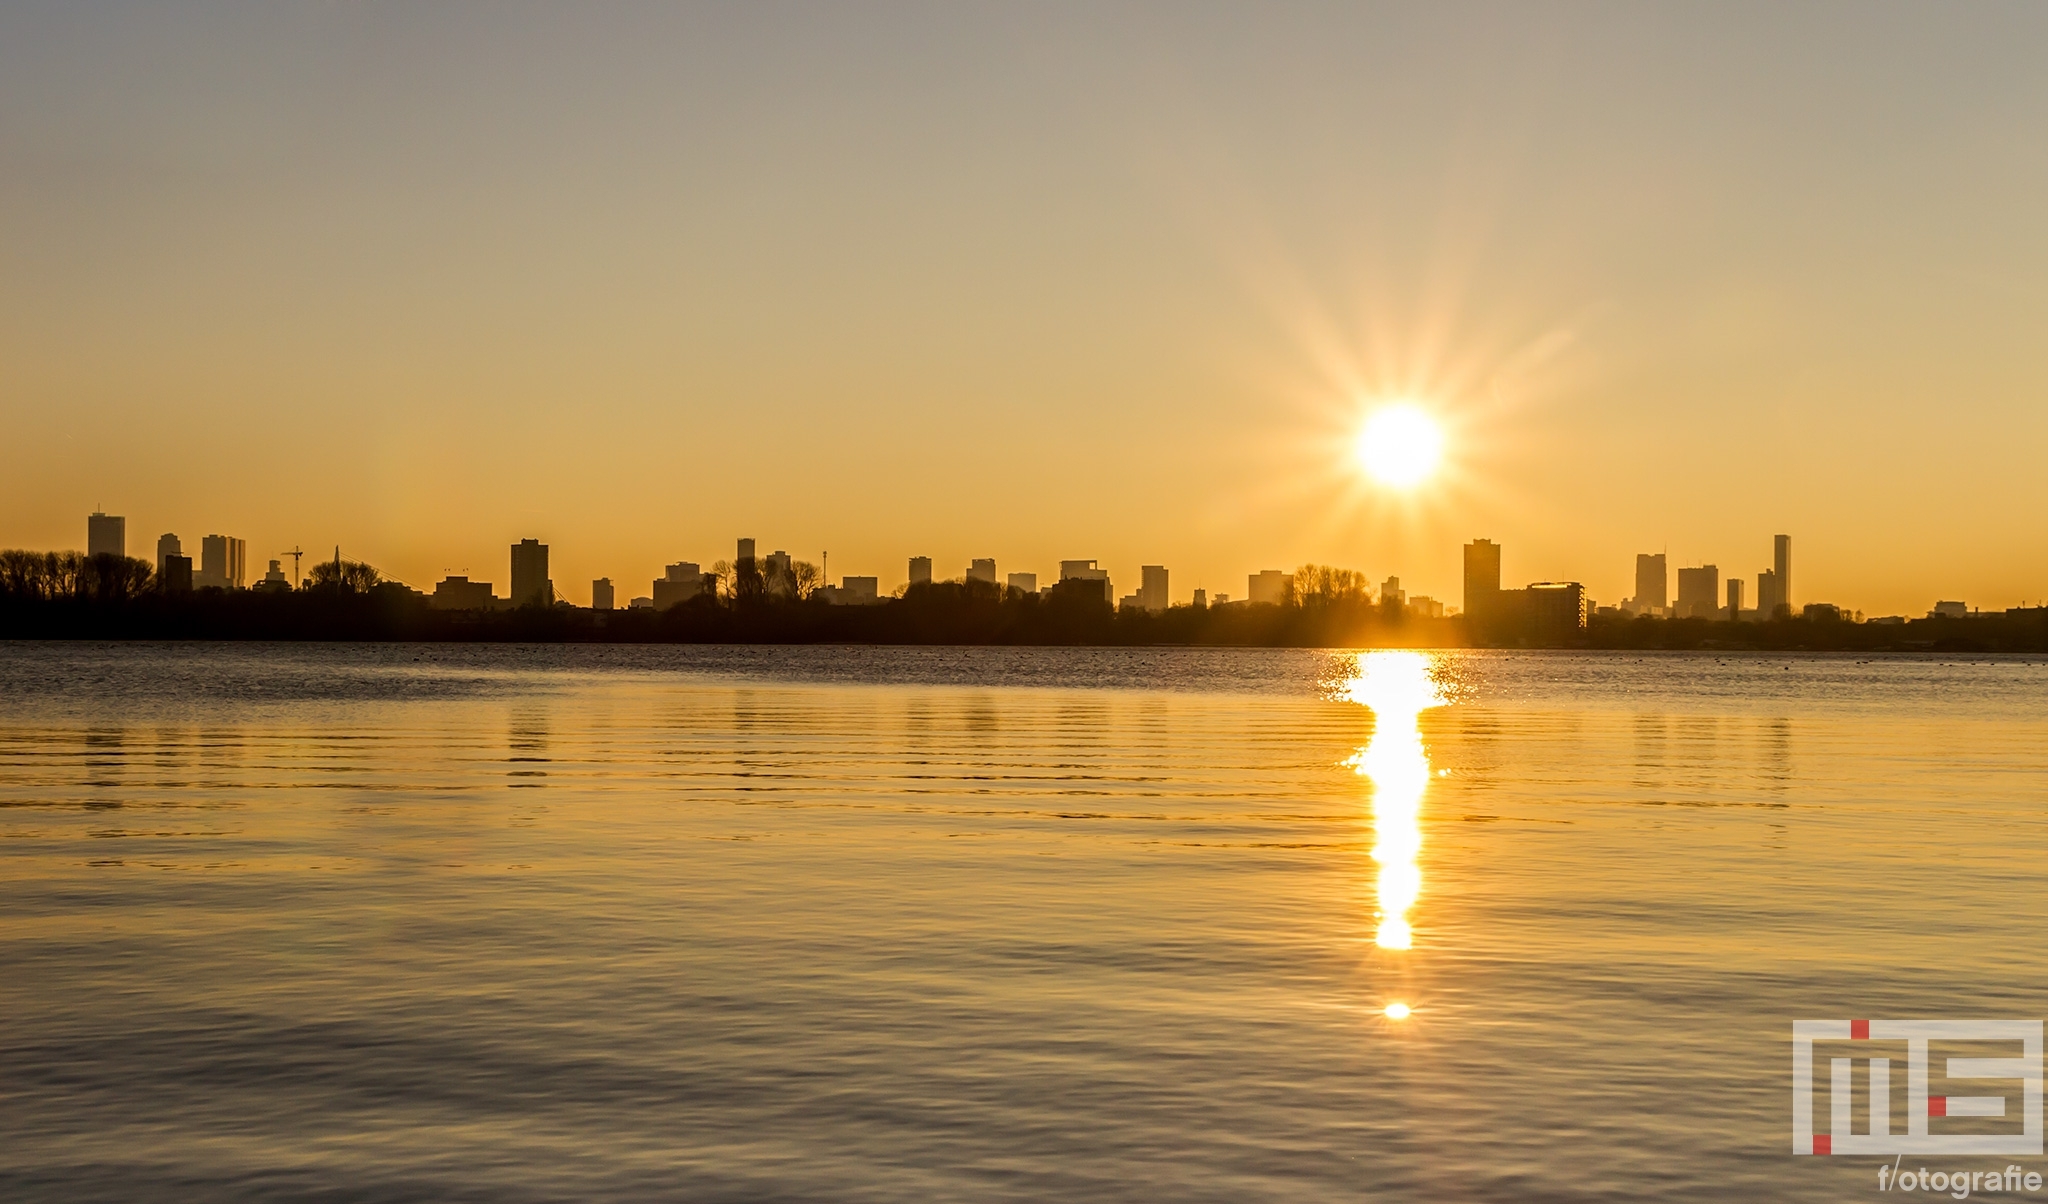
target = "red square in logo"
x: 1937, y: 1105
x: 1859, y: 1030
x: 1823, y: 1144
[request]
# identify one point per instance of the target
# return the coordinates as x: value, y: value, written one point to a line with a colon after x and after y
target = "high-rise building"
x: 601, y: 594
x: 460, y: 593
x: 1152, y: 592
x: 167, y: 544
x: 679, y: 583
x: 920, y: 570
x: 1653, y: 584
x: 1555, y: 607
x: 1028, y: 582
x: 1768, y: 597
x: 777, y: 576
x: 223, y: 563
x: 1201, y: 599
x: 1482, y: 578
x: 982, y: 570
x: 1781, y: 564
x: 177, y: 574
x: 106, y: 535
x: 1086, y: 571
x: 530, y: 584
x: 1734, y: 599
x: 1699, y: 592
x: 1391, y: 592
x: 746, y: 551
x: 1269, y: 586
x: 860, y: 591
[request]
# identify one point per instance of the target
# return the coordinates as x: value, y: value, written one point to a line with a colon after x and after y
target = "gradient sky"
x: 1033, y: 282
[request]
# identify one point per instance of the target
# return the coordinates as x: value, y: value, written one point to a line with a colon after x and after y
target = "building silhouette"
x: 1201, y: 600
x: 1768, y: 597
x: 1028, y: 582
x: 1699, y: 592
x: 1391, y: 593
x: 167, y: 544
x: 1653, y: 584
x: 746, y: 551
x: 777, y: 576
x: 920, y: 570
x: 601, y: 594
x: 982, y: 570
x: 1269, y: 586
x: 1152, y: 591
x: 1781, y: 564
x: 106, y: 535
x: 1734, y: 599
x: 1482, y: 578
x: 460, y: 593
x: 1090, y: 577
x: 275, y: 579
x: 176, y: 575
x: 530, y: 584
x: 678, y: 584
x: 1554, y: 608
x: 859, y: 591
x: 223, y: 563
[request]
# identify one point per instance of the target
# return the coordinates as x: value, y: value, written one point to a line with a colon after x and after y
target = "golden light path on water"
x: 1397, y: 687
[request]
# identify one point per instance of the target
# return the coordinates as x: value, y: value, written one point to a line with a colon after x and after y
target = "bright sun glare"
x: 1400, y: 446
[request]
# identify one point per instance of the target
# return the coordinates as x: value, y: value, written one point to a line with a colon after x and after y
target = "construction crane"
x: 295, y: 553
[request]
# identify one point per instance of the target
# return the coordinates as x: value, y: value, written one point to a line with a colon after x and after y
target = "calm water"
x: 455, y: 923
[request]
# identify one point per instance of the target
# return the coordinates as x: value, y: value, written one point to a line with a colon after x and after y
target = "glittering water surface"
x: 503, y: 923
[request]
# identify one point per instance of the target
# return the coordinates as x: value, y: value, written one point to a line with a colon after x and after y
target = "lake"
x: 512, y: 923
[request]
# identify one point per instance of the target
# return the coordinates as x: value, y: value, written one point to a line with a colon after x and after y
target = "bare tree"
x: 806, y: 578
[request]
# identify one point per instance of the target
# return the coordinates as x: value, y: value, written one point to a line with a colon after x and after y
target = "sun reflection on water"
x: 1397, y: 687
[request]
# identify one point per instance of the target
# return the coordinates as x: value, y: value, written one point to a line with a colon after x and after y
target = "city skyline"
x: 627, y: 294
x: 1700, y: 592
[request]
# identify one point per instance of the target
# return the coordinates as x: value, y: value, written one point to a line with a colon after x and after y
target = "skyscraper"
x: 167, y: 544
x: 1152, y: 594
x: 1482, y: 577
x: 530, y: 584
x: 1270, y: 586
x: 222, y: 563
x: 1768, y: 598
x: 601, y: 594
x: 106, y: 535
x: 1391, y: 592
x: 1653, y: 584
x: 1699, y: 592
x: 1781, y: 564
x: 1734, y: 599
x: 746, y: 550
x: 982, y: 570
x: 920, y: 570
x: 1086, y: 571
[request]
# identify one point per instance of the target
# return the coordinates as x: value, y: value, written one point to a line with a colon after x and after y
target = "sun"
x: 1400, y: 446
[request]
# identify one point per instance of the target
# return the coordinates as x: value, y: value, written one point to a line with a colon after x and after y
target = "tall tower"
x: 1152, y: 593
x: 106, y: 535
x: 1781, y: 564
x: 1653, y: 582
x: 530, y: 584
x: 920, y: 570
x: 1482, y: 577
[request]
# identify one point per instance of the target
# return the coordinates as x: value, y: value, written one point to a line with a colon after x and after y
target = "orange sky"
x: 1035, y: 284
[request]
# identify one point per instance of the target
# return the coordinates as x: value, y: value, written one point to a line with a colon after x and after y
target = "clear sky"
x: 1035, y: 281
